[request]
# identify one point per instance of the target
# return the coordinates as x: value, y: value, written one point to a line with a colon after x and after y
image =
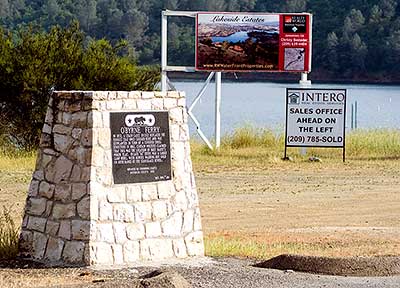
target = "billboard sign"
x: 315, y: 117
x: 253, y: 42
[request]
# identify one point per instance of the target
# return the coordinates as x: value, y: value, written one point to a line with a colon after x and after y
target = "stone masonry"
x: 76, y: 215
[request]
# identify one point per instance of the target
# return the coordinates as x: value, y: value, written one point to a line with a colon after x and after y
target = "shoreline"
x: 274, y: 78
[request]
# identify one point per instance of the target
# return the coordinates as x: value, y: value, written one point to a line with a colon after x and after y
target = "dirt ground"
x: 330, y: 209
x: 323, y: 209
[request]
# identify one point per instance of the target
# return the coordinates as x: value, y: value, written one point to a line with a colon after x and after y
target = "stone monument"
x: 113, y: 183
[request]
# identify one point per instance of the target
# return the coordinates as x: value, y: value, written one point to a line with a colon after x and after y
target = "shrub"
x: 9, y: 234
x: 33, y: 63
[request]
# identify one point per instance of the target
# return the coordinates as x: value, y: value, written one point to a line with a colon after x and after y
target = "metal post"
x: 164, y: 51
x: 355, y: 115
x: 304, y: 81
x: 218, y: 85
x: 352, y: 116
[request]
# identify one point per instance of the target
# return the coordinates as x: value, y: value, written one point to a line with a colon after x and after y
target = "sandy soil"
x: 354, y: 205
x: 333, y: 209
x: 337, y: 209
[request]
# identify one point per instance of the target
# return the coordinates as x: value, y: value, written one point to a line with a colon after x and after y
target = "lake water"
x: 236, y: 37
x: 263, y: 105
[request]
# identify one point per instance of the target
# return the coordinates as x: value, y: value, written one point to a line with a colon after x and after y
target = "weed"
x: 9, y: 234
x: 259, y: 148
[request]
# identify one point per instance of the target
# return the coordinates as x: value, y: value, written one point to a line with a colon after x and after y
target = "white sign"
x: 315, y: 117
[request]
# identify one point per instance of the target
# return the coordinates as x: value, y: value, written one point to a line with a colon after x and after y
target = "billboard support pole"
x: 191, y: 107
x: 164, y: 51
x: 304, y: 82
x: 218, y: 85
x: 304, y: 79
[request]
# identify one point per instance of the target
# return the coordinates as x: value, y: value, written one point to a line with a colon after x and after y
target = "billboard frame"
x: 309, y: 32
x: 166, y: 84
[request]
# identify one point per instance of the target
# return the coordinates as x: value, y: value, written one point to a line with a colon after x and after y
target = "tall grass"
x: 262, y: 146
x: 378, y: 143
x: 9, y: 233
x: 12, y: 159
x: 252, y: 137
x: 217, y: 245
x: 16, y: 168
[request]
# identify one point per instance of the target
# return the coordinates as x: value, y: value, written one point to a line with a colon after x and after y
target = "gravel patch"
x: 201, y: 272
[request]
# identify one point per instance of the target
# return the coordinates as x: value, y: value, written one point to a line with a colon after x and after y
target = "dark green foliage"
x: 32, y: 63
x: 367, y: 31
x: 352, y: 40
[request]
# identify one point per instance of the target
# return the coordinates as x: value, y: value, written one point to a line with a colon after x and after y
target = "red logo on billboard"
x: 288, y: 19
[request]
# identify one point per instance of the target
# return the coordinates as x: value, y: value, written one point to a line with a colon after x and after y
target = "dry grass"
x: 246, y: 149
x: 259, y: 148
x: 268, y: 245
x: 15, y: 173
x: 9, y: 233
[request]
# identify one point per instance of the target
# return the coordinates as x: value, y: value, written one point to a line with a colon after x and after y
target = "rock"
x: 62, y: 143
x: 194, y: 244
x: 78, y: 191
x: 149, y: 192
x: 135, y: 231
x: 54, y: 249
x: 59, y: 171
x: 314, y: 159
x: 37, y: 223
x: 80, y: 230
x: 172, y: 226
x: 65, y: 230
x: 134, y: 194
x: 73, y: 252
x: 164, y: 279
x: 116, y: 195
x: 39, y: 245
x: 159, y: 210
x: 52, y: 228
x: 123, y: 213
x: 131, y: 251
x: 64, y: 211
x: 62, y: 192
x: 153, y: 229
x: 156, y: 249
x: 179, y: 247
x: 46, y: 190
x: 83, y: 208
x: 33, y: 188
x: 36, y: 206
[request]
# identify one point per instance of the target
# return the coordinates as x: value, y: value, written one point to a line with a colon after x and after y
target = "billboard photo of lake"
x: 237, y: 42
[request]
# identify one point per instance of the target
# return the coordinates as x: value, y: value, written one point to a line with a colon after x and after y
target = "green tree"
x: 4, y: 9
x: 332, y: 53
x: 87, y: 14
x: 353, y: 23
x: 32, y: 63
x: 215, y: 5
x: 135, y: 24
x: 359, y: 52
x: 296, y: 6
